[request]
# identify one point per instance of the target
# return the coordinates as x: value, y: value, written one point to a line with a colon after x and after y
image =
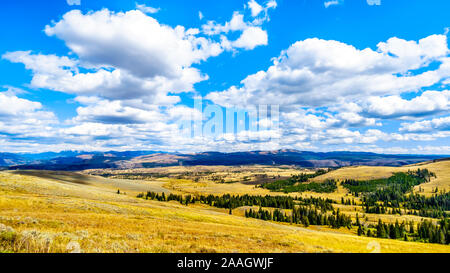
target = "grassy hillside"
x: 54, y: 214
x: 441, y: 168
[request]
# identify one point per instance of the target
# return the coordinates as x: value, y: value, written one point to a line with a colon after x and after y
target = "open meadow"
x: 48, y: 211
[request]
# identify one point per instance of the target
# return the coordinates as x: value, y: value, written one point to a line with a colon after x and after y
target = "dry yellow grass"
x: 252, y: 169
x: 225, y: 174
x: 56, y: 216
x: 184, y: 186
x: 181, y: 179
x: 359, y: 173
x: 440, y: 168
x: 442, y: 181
x: 112, y: 185
x: 336, y: 195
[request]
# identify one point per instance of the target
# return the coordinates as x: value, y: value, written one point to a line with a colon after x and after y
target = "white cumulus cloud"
x: 147, y: 9
x: 252, y: 34
x: 74, y: 2
x: 440, y: 124
x: 255, y: 7
x: 120, y: 56
x: 316, y: 72
x: 331, y: 3
x: 428, y: 103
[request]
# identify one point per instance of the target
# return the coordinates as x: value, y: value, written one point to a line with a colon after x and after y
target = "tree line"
x: 304, y: 215
x: 436, y: 210
x: 392, y: 188
x: 296, y: 183
x: 288, y: 186
x: 234, y: 201
x: 390, y: 195
x: 426, y: 231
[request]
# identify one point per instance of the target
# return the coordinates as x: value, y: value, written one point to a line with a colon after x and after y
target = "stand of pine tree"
x: 305, y: 215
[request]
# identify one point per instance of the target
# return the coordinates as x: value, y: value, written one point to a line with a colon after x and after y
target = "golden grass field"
x: 441, y: 168
x: 44, y: 211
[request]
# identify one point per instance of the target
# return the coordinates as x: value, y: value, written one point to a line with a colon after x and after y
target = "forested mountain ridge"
x: 147, y: 159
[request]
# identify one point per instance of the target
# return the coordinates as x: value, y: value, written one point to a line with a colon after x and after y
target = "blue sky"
x: 358, y: 75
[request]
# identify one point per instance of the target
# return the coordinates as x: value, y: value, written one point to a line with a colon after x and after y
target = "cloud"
x: 251, y: 38
x: 332, y: 95
x: 331, y: 3
x: 13, y: 91
x: 374, y: 2
x: 252, y: 35
x: 235, y: 24
x: 124, y: 80
x: 24, y: 118
x: 74, y: 2
x: 62, y: 74
x: 259, y: 12
x: 127, y: 41
x: 255, y: 8
x: 440, y: 124
x: 118, y: 57
x: 310, y: 121
x: 13, y: 106
x: 47, y: 64
x: 428, y: 103
x: 117, y: 112
x: 146, y: 9
x: 318, y: 73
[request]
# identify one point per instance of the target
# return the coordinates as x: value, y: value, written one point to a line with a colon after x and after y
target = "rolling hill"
x: 55, y: 212
x: 440, y: 167
x: 146, y: 159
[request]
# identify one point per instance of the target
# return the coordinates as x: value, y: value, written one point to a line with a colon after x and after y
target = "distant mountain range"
x: 67, y: 160
x: 75, y: 161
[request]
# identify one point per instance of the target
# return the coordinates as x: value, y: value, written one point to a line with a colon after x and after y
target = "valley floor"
x: 47, y: 214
